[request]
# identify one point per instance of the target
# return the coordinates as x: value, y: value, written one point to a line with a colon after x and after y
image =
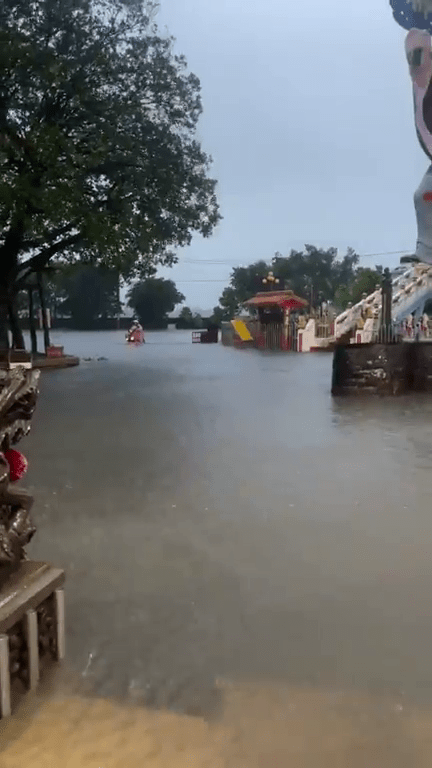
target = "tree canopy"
x: 365, y: 281
x: 153, y: 299
x: 87, y: 293
x: 98, y: 154
x: 315, y: 273
x: 188, y: 320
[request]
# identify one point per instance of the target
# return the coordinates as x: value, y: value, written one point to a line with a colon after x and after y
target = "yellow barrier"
x: 241, y: 330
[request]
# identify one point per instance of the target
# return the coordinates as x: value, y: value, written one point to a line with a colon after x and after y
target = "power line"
x: 230, y: 263
x: 384, y: 253
x: 201, y: 281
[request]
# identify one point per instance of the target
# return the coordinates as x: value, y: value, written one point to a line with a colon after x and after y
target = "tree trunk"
x: 33, y: 334
x: 17, y: 334
x: 118, y: 301
x: 4, y: 325
x: 47, y: 342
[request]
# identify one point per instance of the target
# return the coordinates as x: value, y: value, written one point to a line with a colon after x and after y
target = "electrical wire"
x: 202, y: 281
x: 230, y: 263
x: 206, y: 280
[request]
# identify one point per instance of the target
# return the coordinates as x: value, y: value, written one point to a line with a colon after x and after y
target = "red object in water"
x: 427, y: 197
x: 54, y: 351
x: 17, y: 464
x: 136, y: 337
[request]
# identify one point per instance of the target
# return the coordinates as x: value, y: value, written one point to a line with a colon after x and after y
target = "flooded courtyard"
x: 249, y: 570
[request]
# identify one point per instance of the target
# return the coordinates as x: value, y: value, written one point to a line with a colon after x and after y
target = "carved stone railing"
x: 18, y: 397
x: 31, y: 593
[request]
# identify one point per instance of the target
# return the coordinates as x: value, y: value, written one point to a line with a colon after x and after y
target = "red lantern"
x: 17, y: 464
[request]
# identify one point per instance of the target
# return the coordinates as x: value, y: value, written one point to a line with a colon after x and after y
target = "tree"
x: 45, y: 324
x: 230, y: 301
x: 315, y: 273
x: 219, y: 316
x: 198, y: 321
x: 153, y: 300
x: 245, y: 282
x: 98, y: 155
x: 187, y: 319
x: 89, y: 294
x: 365, y: 281
x: 85, y: 293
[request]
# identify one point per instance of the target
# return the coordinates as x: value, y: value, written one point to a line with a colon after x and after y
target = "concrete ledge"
x: 391, y: 369
x: 329, y: 348
x: 55, y: 362
x: 25, y: 588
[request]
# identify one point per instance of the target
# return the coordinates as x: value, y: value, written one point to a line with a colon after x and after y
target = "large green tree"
x: 153, y: 300
x: 245, y: 282
x: 87, y: 293
x: 364, y: 282
x: 98, y: 151
x: 315, y: 273
x: 219, y: 316
x: 188, y: 320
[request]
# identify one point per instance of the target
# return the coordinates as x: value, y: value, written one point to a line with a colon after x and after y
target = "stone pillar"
x: 286, y: 326
x: 386, y: 306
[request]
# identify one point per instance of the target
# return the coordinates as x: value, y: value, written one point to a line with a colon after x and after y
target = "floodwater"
x: 249, y: 563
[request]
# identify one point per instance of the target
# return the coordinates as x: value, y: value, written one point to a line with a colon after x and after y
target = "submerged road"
x: 229, y: 530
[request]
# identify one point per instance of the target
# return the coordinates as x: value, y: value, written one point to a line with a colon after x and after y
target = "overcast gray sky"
x: 308, y: 116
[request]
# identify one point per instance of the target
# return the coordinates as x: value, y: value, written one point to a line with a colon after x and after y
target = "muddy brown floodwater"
x: 249, y: 564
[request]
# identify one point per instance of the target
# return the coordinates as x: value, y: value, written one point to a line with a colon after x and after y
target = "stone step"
x: 353, y: 389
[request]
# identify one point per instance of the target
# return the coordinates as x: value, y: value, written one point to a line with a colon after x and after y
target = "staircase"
x: 412, y: 287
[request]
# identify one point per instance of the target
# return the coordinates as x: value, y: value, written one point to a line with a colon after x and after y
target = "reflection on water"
x: 221, y: 517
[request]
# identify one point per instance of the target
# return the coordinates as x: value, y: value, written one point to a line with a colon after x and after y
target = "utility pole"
x: 32, y: 326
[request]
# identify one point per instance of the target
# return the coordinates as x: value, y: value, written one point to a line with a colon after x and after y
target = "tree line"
x: 87, y: 295
x: 316, y: 274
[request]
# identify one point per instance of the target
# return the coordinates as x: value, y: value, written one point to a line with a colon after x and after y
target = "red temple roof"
x: 281, y: 299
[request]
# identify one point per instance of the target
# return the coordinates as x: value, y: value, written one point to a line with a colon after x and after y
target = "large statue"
x: 416, y: 16
x: 18, y: 396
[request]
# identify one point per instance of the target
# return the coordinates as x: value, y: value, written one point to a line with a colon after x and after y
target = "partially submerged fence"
x: 275, y: 336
